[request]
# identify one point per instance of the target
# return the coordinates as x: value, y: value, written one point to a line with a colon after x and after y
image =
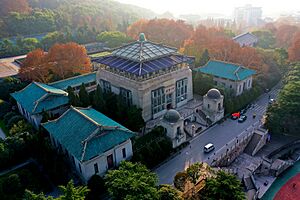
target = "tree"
x: 168, y: 192
x: 285, y: 34
x: 96, y: 185
x: 134, y: 120
x: 73, y: 97
x: 70, y: 192
x: 165, y: 31
x: 20, y: 6
x: 113, y: 38
x: 20, y: 127
x: 180, y: 180
x: 131, y: 181
x: 294, y: 49
x: 84, y: 96
x: 62, y: 61
x: 31, y: 196
x: 67, y: 59
x: 224, y: 186
x: 34, y: 68
x: 4, y: 108
x: 98, y: 99
x: 194, y: 172
x: 266, y: 39
x: 204, y: 58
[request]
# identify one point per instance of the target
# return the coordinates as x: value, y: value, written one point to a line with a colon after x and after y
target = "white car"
x: 209, y: 147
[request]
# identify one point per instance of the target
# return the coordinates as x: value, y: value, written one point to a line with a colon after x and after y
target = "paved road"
x: 2, y: 135
x: 219, y: 135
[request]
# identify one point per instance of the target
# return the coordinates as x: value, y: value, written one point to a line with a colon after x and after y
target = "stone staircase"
x: 252, y: 144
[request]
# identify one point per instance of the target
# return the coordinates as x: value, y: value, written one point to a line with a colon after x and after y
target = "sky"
x: 225, y: 7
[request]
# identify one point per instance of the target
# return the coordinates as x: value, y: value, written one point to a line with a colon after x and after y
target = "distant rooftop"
x: 226, y: 70
x: 246, y: 39
x: 37, y: 97
x: 74, y: 81
x: 87, y: 133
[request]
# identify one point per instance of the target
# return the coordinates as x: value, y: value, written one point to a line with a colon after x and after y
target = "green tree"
x: 113, y: 38
x: 70, y: 192
x: 73, y: 97
x: 96, y: 185
x: 98, y: 99
x: 84, y: 96
x: 31, y: 196
x: 180, y: 180
x: 266, y: 39
x: 4, y: 108
x: 194, y: 172
x: 168, y: 192
x: 225, y: 186
x: 20, y: 127
x: 204, y: 58
x: 131, y: 181
x: 134, y: 120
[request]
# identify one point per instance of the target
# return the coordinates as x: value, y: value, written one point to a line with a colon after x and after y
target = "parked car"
x: 243, y: 111
x: 235, y: 116
x: 271, y: 101
x: 209, y: 147
x: 242, y: 118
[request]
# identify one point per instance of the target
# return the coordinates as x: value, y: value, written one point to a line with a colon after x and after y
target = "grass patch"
x: 13, y: 184
x: 3, y: 127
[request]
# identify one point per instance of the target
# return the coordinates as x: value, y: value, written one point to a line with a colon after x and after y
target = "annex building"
x: 52, y: 98
x: 91, y: 141
x: 229, y: 75
x: 152, y: 76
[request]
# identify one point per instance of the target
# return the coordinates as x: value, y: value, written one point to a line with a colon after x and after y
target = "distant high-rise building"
x: 248, y: 15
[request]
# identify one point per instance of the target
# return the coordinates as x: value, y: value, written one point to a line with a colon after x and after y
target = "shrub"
x: 8, y: 116
x: 14, y: 120
x: 96, y: 184
x: 4, y: 108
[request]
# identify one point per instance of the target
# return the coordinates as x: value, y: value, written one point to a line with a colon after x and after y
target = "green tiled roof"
x: 87, y: 133
x: 37, y: 97
x: 226, y: 70
x: 74, y: 81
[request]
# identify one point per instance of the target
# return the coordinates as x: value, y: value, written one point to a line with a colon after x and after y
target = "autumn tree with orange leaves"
x: 164, y: 31
x: 20, y: 6
x: 294, y: 49
x: 62, y: 61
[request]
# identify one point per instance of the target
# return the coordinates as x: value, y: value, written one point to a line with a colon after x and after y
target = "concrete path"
x: 16, y: 167
x: 2, y: 134
x: 219, y: 135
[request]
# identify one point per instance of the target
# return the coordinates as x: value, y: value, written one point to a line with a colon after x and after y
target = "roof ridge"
x: 74, y: 77
x: 85, y: 116
x: 86, y: 140
x: 47, y: 90
x: 39, y: 100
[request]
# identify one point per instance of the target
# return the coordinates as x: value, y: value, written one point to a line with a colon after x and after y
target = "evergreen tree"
x: 84, y: 96
x: 204, y: 58
x: 73, y: 98
x: 98, y: 100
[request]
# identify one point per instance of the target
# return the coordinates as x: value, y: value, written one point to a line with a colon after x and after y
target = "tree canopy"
x: 62, y: 61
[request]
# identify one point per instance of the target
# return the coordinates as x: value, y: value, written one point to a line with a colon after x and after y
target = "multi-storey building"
x: 248, y: 15
x: 151, y: 76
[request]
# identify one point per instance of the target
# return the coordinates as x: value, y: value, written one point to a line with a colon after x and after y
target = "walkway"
x: 16, y: 167
x: 2, y: 135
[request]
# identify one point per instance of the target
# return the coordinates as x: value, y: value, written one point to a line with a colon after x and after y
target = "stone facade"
x: 213, y: 105
x: 237, y: 86
x: 142, y: 92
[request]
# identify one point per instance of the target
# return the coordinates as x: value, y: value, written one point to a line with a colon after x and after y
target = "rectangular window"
x: 181, y: 90
x: 106, y: 86
x: 110, y: 161
x: 96, y: 168
x: 126, y: 96
x: 124, y: 152
x: 158, y: 100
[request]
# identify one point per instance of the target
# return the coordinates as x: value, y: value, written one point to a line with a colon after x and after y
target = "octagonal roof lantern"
x: 142, y: 37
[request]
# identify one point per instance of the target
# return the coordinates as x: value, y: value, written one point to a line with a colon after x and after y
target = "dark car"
x: 242, y: 118
x: 243, y: 111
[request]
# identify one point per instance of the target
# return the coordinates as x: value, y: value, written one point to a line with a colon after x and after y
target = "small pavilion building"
x: 152, y: 76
